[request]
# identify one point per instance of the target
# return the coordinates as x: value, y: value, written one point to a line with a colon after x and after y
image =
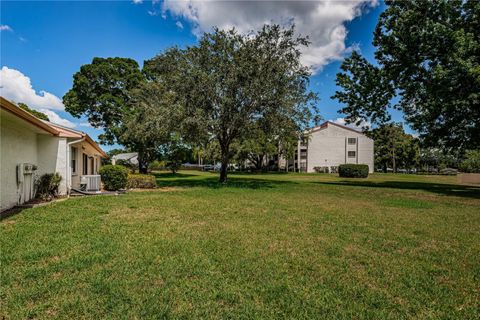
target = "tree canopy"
x: 227, y: 90
x: 230, y: 82
x: 101, y: 92
x: 428, y: 55
x: 394, y: 148
x: 38, y: 114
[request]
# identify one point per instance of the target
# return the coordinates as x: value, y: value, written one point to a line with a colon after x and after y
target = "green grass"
x: 263, y: 246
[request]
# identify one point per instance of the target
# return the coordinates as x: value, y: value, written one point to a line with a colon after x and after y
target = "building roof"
x: 48, y: 127
x: 125, y: 156
x: 328, y: 123
x: 27, y: 116
x: 72, y: 133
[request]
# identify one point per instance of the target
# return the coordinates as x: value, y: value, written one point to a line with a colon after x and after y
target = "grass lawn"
x: 264, y: 246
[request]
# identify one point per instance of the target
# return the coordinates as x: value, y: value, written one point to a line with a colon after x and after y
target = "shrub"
x: 471, y: 164
x: 157, y: 165
x: 174, y: 166
x: 47, y: 186
x: 146, y: 181
x: 114, y: 177
x: 353, y: 170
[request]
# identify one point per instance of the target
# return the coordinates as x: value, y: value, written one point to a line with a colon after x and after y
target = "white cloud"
x: 55, y: 118
x: 324, y: 22
x: 179, y: 24
x: 4, y: 27
x: 17, y: 87
x: 362, y: 124
x: 85, y: 124
x: 137, y: 1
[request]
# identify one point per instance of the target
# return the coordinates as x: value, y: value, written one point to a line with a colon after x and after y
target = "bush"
x: 353, y: 170
x: 114, y: 177
x: 145, y: 181
x: 174, y: 166
x: 47, y: 186
x: 157, y: 165
x: 471, y: 164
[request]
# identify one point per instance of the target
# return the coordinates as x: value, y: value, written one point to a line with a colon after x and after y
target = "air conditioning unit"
x: 29, y: 168
x: 24, y: 169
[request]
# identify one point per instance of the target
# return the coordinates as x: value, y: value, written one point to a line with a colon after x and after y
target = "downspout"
x: 68, y: 177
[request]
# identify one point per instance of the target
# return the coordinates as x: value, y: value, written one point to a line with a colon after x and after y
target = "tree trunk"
x: 225, y: 157
x: 223, y: 170
x: 394, y: 162
x: 142, y: 162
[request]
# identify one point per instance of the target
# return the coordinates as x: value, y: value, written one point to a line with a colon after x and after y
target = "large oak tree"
x: 102, y: 91
x: 229, y: 82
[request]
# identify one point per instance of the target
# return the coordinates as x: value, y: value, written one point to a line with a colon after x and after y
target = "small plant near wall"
x: 353, y: 170
x: 47, y: 186
x: 114, y: 177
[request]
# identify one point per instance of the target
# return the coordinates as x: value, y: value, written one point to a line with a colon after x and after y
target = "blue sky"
x: 47, y: 42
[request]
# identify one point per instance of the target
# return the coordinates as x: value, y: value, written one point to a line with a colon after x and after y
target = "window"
x: 92, y: 165
x: 73, y: 159
x: 352, y: 140
x: 85, y: 164
x: 351, y: 154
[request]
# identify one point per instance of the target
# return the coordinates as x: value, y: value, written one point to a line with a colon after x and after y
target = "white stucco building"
x: 30, y: 147
x: 330, y: 145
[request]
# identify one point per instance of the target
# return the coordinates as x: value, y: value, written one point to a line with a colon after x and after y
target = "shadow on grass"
x: 192, y: 180
x: 439, y: 188
x: 10, y: 212
x: 173, y: 175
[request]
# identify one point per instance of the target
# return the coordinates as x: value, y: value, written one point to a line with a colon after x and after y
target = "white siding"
x: 329, y: 147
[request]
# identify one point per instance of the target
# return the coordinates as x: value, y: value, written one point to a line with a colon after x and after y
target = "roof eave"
x: 27, y: 116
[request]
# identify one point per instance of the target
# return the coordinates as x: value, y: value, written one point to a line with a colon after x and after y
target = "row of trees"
x: 395, y: 149
x: 238, y: 93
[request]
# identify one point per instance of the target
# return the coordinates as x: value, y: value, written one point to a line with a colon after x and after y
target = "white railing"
x: 92, y: 182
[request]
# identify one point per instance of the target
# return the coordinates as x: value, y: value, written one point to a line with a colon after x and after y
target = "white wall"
x: 329, y: 147
x: 52, y: 157
x: 18, y: 145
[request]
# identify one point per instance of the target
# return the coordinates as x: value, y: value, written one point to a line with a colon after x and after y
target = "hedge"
x: 145, y: 181
x: 353, y: 170
x: 114, y: 177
